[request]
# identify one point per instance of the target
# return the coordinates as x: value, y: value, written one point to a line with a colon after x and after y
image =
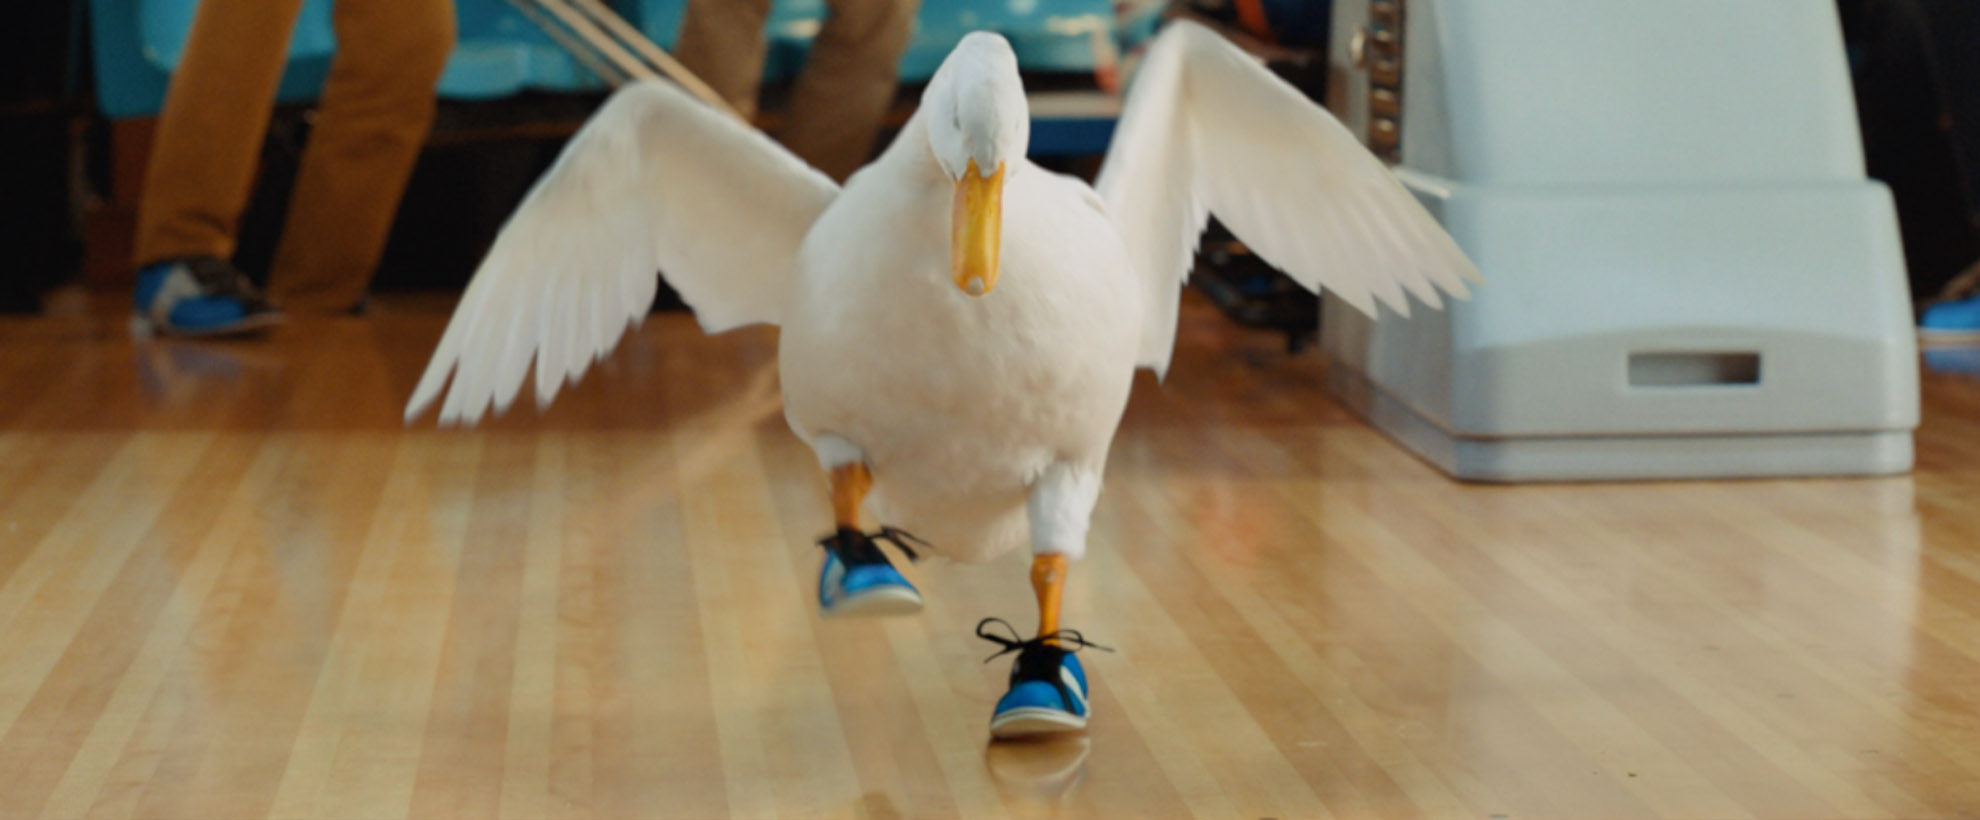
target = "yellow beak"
x: 976, y: 231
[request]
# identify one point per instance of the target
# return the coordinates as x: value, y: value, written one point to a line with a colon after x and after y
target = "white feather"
x: 1208, y: 130
x: 655, y: 182
x: 976, y: 414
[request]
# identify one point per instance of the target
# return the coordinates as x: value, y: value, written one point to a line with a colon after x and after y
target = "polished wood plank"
x: 233, y: 584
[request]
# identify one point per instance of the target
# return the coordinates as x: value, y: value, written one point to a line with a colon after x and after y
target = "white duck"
x: 960, y: 326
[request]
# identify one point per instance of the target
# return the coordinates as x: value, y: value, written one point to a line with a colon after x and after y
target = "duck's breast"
x: 884, y: 350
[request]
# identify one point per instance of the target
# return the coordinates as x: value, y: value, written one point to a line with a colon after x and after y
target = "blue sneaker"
x: 857, y: 579
x: 1048, y: 685
x: 1951, y: 322
x: 200, y: 296
x: 1956, y: 320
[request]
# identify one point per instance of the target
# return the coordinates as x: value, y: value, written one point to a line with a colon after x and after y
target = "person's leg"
x: 201, y: 171
x: 376, y: 109
x: 848, y: 82
x: 209, y: 135
x: 722, y: 42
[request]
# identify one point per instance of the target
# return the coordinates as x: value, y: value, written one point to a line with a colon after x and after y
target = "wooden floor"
x: 232, y: 585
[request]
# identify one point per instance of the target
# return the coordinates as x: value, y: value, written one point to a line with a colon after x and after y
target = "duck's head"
x: 978, y: 126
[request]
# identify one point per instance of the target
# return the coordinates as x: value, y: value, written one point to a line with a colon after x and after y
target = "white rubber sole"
x: 879, y: 603
x: 1034, y: 722
x: 1948, y: 338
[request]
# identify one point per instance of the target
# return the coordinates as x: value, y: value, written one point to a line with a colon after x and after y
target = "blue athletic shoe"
x: 857, y: 579
x: 1048, y: 685
x: 1956, y: 322
x: 200, y: 296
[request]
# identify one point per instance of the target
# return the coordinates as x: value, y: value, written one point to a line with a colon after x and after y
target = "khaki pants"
x: 848, y: 79
x: 374, y: 114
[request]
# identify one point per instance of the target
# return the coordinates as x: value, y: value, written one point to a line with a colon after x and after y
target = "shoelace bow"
x: 1057, y: 640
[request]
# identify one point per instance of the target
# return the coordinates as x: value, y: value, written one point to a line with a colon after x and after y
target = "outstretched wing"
x: 1208, y: 130
x: 656, y: 181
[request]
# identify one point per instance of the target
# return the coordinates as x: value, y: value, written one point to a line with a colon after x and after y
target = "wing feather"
x: 656, y: 181
x: 1208, y: 130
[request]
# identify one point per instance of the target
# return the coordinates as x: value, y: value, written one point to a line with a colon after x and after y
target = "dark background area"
x: 1916, y: 63
x: 1917, y: 68
x: 44, y: 127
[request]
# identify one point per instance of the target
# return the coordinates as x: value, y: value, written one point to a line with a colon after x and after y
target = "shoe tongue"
x: 218, y: 278
x: 1038, y: 661
x: 855, y: 548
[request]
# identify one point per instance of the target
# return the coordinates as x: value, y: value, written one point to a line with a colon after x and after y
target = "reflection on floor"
x: 233, y: 584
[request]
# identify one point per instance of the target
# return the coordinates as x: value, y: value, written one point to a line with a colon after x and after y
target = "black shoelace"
x: 1040, y: 658
x: 217, y: 278
x: 856, y: 548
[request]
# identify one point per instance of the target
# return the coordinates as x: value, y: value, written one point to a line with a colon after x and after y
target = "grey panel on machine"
x: 1688, y: 273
